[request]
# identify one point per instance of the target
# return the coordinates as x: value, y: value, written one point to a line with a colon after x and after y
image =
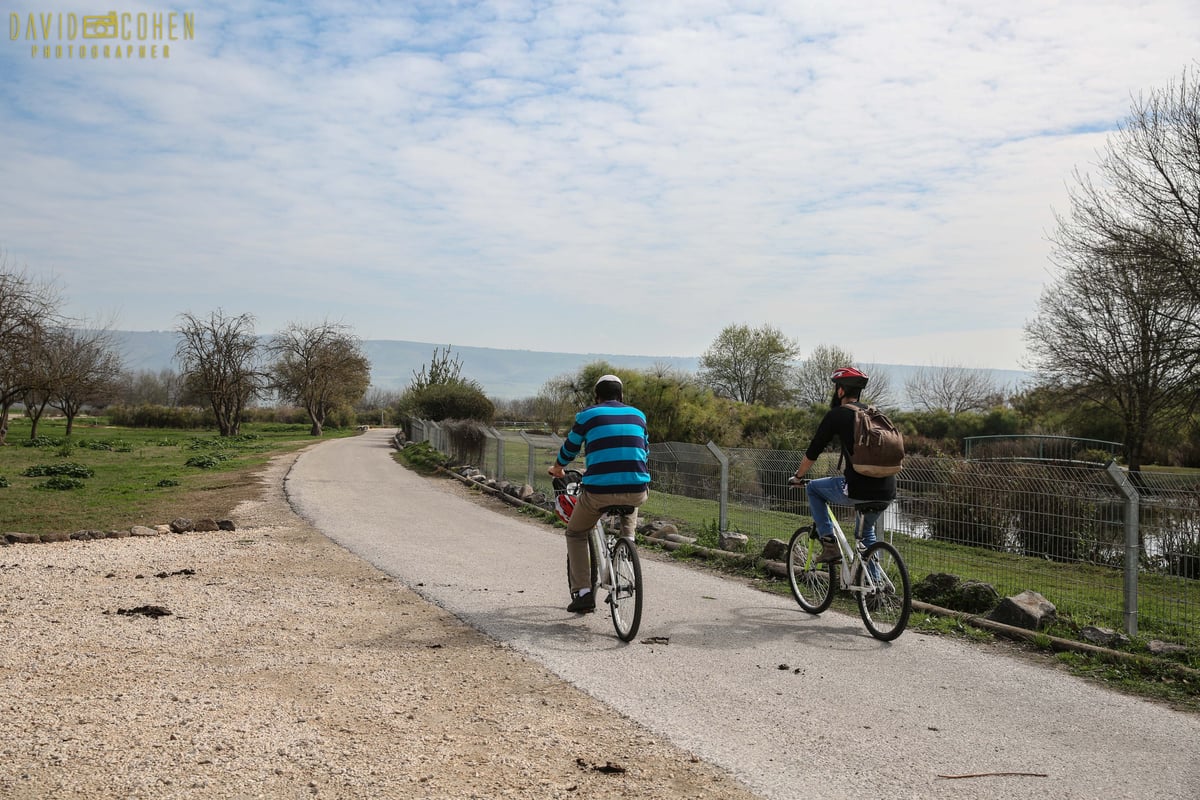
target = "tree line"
x: 50, y: 361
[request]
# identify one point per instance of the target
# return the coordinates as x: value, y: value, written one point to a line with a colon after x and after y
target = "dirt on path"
x: 270, y: 662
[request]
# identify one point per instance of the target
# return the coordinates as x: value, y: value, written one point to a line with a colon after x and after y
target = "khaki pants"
x: 587, y: 511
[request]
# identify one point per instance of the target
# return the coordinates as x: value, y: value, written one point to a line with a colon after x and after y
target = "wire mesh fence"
x: 1106, y: 547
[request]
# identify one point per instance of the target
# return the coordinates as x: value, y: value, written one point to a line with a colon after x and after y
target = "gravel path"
x: 286, y: 668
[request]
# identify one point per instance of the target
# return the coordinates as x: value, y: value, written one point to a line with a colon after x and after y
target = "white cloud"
x: 638, y: 174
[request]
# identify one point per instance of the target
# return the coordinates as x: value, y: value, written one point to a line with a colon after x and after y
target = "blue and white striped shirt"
x: 617, y: 448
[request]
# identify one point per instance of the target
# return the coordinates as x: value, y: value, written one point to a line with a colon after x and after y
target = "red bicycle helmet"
x: 564, y: 506
x: 849, y: 376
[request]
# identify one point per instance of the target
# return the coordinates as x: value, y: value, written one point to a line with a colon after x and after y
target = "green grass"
x: 140, y: 476
x: 1084, y: 594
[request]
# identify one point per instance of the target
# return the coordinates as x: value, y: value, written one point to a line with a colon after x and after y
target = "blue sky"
x: 592, y: 176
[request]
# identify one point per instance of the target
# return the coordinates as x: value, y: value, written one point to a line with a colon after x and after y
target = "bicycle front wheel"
x: 883, y: 592
x: 812, y: 584
x: 625, y: 599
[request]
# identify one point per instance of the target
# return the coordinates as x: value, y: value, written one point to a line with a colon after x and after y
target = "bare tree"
x: 377, y: 402
x: 28, y: 308
x: 750, y: 365
x: 1115, y: 329
x: 1146, y: 205
x: 812, y: 378
x: 953, y: 388
x: 161, y: 388
x: 320, y: 368
x: 1120, y: 325
x: 812, y: 387
x: 87, y: 370
x: 219, y: 358
x: 38, y: 377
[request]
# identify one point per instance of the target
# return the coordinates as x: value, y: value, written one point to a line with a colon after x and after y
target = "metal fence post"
x: 724, y: 499
x: 529, y: 447
x: 1132, y: 546
x: 499, y: 453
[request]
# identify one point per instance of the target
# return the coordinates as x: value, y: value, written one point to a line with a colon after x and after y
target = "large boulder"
x: 1027, y: 610
x: 733, y: 541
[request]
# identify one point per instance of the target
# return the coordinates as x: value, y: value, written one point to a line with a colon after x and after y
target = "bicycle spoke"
x: 883, y: 592
x: 812, y: 584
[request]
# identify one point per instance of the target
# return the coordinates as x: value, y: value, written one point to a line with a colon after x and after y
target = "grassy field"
x: 114, y: 478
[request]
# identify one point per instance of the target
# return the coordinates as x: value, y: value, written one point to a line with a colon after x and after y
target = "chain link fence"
x: 1108, y: 547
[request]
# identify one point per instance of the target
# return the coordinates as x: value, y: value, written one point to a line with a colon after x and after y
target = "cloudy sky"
x: 597, y: 176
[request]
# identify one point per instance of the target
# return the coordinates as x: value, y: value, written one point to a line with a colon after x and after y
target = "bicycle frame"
x: 852, y: 558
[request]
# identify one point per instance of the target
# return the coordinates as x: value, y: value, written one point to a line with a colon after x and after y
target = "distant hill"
x: 504, y: 374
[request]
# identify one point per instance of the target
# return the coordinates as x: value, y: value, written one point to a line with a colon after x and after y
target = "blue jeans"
x: 824, y: 491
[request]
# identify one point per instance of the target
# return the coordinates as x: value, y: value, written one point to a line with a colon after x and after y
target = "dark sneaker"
x: 583, y: 604
x: 830, y: 552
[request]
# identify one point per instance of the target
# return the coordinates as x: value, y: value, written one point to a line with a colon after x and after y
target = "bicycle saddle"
x: 874, y: 507
x: 622, y: 510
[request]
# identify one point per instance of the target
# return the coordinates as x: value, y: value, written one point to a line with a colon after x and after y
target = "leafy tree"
x: 438, y: 392
x: 749, y: 365
x: 319, y: 368
x: 219, y: 358
x: 954, y: 389
x: 443, y: 368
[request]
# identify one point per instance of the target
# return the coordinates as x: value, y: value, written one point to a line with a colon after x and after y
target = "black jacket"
x: 839, y: 422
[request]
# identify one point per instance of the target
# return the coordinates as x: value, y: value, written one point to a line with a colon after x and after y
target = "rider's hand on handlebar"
x: 796, y: 483
x: 556, y: 471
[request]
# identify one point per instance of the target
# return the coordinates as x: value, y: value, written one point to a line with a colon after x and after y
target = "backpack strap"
x: 844, y: 456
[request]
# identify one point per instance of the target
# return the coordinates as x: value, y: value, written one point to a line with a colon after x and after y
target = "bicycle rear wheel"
x: 884, y: 595
x: 812, y: 584
x: 625, y: 599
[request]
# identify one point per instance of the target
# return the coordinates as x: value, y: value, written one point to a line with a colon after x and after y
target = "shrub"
x: 68, y: 469
x: 165, y: 482
x: 152, y: 416
x: 207, y: 460
x: 449, y: 401
x: 422, y: 456
x: 4, y: 484
x: 60, y: 483
x: 971, y: 509
x: 45, y: 441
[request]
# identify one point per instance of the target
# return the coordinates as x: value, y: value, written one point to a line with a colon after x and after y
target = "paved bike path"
x: 849, y: 716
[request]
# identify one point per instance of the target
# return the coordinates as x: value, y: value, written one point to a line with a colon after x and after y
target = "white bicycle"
x: 875, y: 575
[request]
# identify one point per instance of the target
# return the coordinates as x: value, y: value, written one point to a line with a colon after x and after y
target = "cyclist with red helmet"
x: 616, y: 475
x: 850, y: 487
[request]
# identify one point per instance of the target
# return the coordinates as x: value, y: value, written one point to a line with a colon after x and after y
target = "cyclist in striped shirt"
x: 617, y: 474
